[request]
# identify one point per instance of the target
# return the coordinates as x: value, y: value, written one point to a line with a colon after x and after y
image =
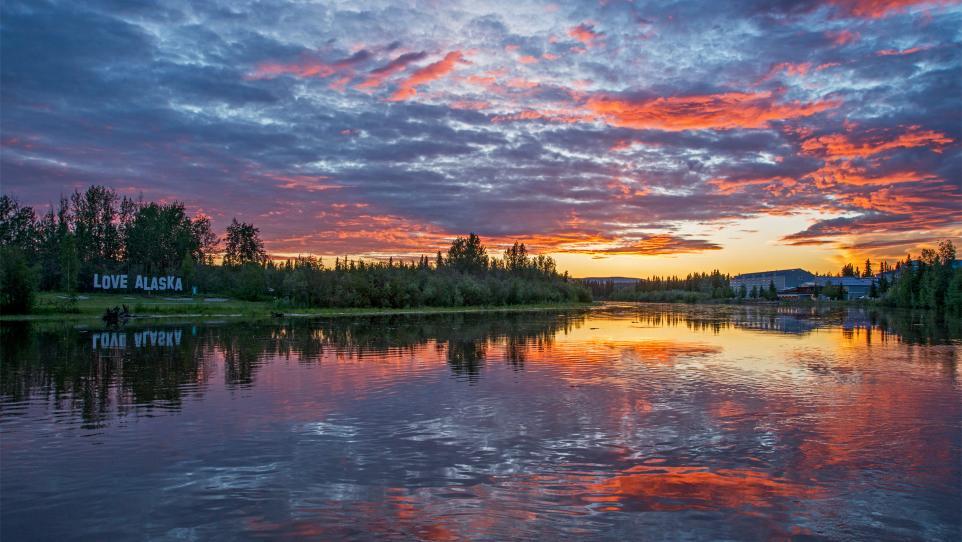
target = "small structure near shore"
x: 116, y: 315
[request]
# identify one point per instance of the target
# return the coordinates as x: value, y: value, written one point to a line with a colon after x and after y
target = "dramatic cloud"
x: 622, y: 131
x: 377, y: 76
x: 652, y: 245
x: 425, y: 75
x: 843, y: 145
x: 311, y: 67
x: 713, y: 111
x: 880, y: 8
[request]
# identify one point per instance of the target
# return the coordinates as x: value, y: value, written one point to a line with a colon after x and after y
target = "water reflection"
x: 95, y: 370
x: 707, y: 422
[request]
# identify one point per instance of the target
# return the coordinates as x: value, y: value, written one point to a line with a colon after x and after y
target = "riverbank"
x: 734, y: 301
x: 51, y: 306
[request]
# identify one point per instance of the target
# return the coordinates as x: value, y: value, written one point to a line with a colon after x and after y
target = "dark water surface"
x: 634, y: 422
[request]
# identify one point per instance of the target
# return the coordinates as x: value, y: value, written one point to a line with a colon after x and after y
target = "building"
x: 783, y: 279
x: 800, y: 284
x: 806, y: 290
x: 855, y: 287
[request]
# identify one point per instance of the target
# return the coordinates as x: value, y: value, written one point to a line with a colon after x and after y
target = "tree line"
x: 692, y: 288
x: 98, y: 231
x: 931, y: 281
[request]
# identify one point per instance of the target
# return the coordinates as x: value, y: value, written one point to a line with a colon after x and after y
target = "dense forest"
x: 98, y: 232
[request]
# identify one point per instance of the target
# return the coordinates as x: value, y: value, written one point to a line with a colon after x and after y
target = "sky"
x: 622, y: 138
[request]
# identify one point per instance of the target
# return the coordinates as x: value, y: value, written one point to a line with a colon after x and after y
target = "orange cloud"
x: 903, y: 52
x: 876, y: 9
x: 310, y: 183
x: 843, y: 37
x: 841, y: 145
x: 475, y: 105
x: 848, y: 174
x: 650, y: 246
x: 789, y: 68
x: 312, y: 67
x: 309, y: 68
x: 377, y: 77
x: 730, y: 186
x: 423, y: 76
x: 712, y: 111
x: 888, y: 200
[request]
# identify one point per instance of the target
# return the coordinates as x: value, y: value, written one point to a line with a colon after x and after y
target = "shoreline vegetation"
x: 933, y: 281
x: 83, y: 250
x: 55, y: 306
x: 96, y: 241
x: 50, y: 306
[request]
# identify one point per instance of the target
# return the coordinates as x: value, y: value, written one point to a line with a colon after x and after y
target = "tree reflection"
x: 99, y: 373
x: 104, y: 373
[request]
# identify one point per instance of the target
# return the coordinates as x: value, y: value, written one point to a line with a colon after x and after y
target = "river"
x: 625, y: 422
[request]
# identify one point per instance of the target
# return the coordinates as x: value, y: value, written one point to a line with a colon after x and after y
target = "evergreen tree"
x: 516, y: 257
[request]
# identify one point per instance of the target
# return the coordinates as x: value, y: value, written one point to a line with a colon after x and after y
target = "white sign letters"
x: 142, y: 339
x: 141, y: 282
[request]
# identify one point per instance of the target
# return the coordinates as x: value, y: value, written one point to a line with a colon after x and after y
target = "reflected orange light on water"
x: 506, y: 426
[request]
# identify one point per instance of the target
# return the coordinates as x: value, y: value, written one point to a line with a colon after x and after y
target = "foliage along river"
x: 625, y: 422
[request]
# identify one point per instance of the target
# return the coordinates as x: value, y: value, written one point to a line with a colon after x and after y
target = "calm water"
x: 651, y: 422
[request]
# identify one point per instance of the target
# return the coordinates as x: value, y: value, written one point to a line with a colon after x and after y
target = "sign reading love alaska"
x: 141, y: 282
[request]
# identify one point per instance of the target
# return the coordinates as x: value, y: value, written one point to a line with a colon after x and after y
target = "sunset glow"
x: 621, y: 138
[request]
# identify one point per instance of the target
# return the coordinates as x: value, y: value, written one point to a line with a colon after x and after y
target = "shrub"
x: 18, y: 285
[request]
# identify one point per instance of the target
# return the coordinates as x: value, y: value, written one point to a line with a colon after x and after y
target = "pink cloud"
x: 585, y: 33
x: 408, y: 88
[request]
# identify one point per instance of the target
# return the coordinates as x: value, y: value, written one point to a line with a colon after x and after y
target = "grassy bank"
x: 59, y: 306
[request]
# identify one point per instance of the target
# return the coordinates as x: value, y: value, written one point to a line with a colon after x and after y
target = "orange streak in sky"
x: 423, y: 76
x: 712, y: 111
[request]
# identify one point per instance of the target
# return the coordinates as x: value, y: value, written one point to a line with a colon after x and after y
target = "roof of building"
x: 846, y: 281
x: 767, y: 273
